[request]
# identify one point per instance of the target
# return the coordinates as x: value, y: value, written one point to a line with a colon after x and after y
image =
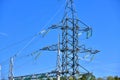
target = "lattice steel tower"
x: 70, y: 48
x: 71, y: 26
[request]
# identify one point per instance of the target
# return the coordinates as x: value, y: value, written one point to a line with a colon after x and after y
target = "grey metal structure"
x: 58, y: 67
x: 71, y: 26
x: 69, y: 47
x: 11, y: 69
x: 40, y: 76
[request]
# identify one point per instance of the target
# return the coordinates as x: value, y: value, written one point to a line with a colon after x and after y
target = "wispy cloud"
x: 3, y: 34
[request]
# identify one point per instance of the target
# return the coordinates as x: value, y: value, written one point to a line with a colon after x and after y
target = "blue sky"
x: 21, y: 19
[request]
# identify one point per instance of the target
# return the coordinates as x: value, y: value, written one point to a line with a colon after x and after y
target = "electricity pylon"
x: 71, y: 26
x: 11, y: 69
x: 69, y: 47
x: 58, y: 60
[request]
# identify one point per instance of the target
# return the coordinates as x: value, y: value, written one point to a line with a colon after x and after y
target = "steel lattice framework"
x: 69, y: 46
x: 70, y: 26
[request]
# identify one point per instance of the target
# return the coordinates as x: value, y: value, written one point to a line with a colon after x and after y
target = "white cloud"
x: 3, y: 34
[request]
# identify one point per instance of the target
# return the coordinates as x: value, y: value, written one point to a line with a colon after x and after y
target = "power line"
x: 33, y: 37
x: 16, y: 54
x: 14, y: 44
x: 52, y: 18
x: 70, y: 43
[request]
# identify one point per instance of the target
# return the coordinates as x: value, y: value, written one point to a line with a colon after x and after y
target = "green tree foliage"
x: 71, y: 78
x: 83, y: 77
x: 63, y: 78
x: 99, y: 78
x: 116, y: 78
x: 110, y: 78
x: 87, y: 77
x: 27, y: 79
